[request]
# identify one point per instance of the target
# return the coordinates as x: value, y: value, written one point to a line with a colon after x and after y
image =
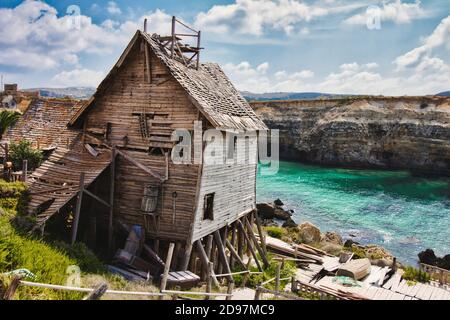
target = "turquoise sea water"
x: 401, y: 212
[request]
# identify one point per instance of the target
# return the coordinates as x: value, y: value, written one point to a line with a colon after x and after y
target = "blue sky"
x: 390, y: 47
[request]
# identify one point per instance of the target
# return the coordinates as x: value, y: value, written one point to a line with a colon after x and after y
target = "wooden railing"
x: 437, y: 273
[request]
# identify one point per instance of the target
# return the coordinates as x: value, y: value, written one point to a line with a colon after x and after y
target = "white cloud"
x: 429, y: 77
x: 113, y: 8
x: 396, y: 11
x: 33, y: 36
x: 78, y: 78
x: 252, y: 17
x: 439, y: 38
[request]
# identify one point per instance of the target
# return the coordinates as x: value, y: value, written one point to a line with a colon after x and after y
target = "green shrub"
x: 24, y: 151
x: 413, y: 274
x: 275, y: 232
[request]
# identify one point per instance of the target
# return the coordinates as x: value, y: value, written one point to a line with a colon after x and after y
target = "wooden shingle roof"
x: 208, y: 88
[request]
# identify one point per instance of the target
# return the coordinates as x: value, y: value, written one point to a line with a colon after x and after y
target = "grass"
x: 48, y: 261
x: 276, y: 232
x: 415, y: 275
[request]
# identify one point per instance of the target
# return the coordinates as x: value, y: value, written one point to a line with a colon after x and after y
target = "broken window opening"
x: 208, y: 207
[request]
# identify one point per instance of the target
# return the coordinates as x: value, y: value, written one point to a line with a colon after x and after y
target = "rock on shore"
x: 308, y: 233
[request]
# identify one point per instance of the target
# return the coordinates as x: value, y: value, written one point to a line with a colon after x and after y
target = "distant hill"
x: 72, y: 92
x: 444, y: 94
x: 288, y: 96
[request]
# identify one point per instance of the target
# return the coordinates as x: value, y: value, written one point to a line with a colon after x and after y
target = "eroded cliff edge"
x: 380, y: 132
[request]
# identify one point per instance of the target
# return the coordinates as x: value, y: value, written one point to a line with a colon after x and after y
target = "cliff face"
x: 408, y: 132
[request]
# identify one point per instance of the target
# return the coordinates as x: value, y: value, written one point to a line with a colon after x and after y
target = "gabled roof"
x: 208, y: 88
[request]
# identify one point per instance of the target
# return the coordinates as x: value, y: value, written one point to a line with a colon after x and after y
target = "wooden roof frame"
x: 220, y: 120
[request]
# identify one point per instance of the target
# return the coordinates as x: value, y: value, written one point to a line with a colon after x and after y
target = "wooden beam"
x: 166, y: 268
x: 98, y: 292
x: 249, y: 245
x: 78, y: 209
x: 147, y: 63
x: 9, y: 293
x: 187, y: 254
x: 139, y: 165
x: 235, y: 254
x: 205, y: 261
x: 103, y: 202
x: 222, y: 254
x: 261, y: 233
x: 233, y: 243
x: 111, y: 200
x: 255, y: 241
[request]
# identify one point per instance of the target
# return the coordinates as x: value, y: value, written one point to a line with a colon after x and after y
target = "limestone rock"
x: 265, y: 210
x: 309, y: 233
x: 333, y: 237
x: 281, y: 214
x: 278, y: 202
x: 289, y: 223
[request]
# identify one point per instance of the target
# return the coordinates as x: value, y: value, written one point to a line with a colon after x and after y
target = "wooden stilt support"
x: 277, y: 277
x: 233, y: 243
x: 166, y: 268
x: 9, y: 294
x: 247, y: 275
x: 209, y: 270
x: 262, y: 236
x: 77, y: 210
x: 223, y: 235
x: 222, y: 254
x: 187, y: 254
x: 205, y: 261
x: 230, y: 290
x: 240, y: 240
x: 255, y: 241
x: 235, y: 254
x: 249, y: 245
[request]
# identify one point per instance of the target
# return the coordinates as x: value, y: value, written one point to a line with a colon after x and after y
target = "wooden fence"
x: 442, y: 275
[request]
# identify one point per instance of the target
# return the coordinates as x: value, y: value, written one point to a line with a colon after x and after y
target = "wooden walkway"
x: 56, y: 181
x: 395, y: 289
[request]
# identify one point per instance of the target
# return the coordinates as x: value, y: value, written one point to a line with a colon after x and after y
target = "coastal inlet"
x: 394, y: 209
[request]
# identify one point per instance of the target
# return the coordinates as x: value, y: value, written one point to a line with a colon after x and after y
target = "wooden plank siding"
x: 234, y: 188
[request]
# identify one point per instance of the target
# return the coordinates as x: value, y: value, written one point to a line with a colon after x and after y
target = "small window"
x: 208, y: 207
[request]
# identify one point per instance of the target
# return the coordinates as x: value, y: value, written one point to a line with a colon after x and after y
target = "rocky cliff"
x: 406, y: 132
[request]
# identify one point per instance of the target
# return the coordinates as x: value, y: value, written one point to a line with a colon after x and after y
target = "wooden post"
x: 147, y: 63
x: 258, y: 293
x: 208, y: 247
x: 205, y: 261
x: 98, y: 292
x: 277, y: 278
x: 230, y: 289
x: 187, y: 254
x: 255, y: 241
x: 234, y: 253
x: 111, y: 201
x: 240, y: 240
x: 198, y: 46
x: 233, y: 243
x: 247, y: 275
x: 77, y: 209
x: 167, y: 268
x: 222, y: 254
x: 24, y: 170
x: 12, y: 288
x: 209, y: 271
x: 145, y: 25
x: 262, y: 236
x: 293, y: 284
x: 176, y: 253
x: 223, y: 235
x: 173, y: 38
x: 249, y: 245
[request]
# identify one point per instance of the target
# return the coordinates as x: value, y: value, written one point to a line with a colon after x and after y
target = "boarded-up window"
x: 208, y: 207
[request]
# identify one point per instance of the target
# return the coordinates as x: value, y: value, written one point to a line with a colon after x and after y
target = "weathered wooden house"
x: 125, y: 157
